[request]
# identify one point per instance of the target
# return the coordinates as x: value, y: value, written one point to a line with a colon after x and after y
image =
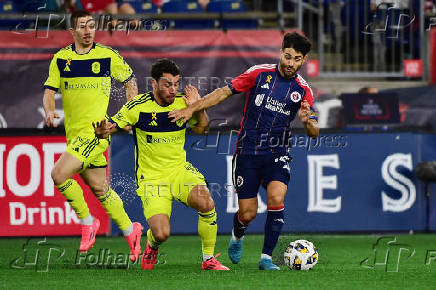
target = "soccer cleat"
x: 213, y: 264
x: 267, y: 264
x: 235, y: 251
x: 134, y: 241
x: 148, y: 258
x: 88, y: 235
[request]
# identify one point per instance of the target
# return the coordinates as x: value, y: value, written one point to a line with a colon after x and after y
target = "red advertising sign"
x: 312, y: 68
x: 30, y: 205
x: 412, y: 67
x: 433, y: 56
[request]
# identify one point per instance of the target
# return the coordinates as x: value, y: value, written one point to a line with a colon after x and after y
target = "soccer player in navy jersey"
x: 275, y: 94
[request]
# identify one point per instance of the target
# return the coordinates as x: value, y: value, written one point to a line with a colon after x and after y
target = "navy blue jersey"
x: 271, y: 104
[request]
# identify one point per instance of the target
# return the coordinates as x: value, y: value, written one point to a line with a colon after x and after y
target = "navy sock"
x: 273, y: 229
x: 238, y: 227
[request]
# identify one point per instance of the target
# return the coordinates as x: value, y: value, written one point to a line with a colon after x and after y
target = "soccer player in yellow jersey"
x: 162, y: 172
x: 83, y: 71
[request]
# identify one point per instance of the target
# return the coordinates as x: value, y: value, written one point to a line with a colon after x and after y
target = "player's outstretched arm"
x: 310, y: 124
x: 131, y: 88
x: 103, y: 129
x: 192, y: 96
x: 210, y: 100
x: 48, y: 102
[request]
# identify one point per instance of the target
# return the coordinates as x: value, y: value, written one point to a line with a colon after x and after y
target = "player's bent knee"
x: 206, y: 205
x: 161, y: 235
x: 247, y: 216
x: 57, y: 176
x: 277, y: 200
x: 99, y: 189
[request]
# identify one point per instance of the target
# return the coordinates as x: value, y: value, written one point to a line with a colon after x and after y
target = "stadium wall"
x: 340, y: 182
x: 343, y: 182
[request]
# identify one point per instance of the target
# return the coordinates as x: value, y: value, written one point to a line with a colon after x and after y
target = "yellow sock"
x: 74, y: 195
x: 113, y: 205
x: 151, y: 240
x: 207, y: 229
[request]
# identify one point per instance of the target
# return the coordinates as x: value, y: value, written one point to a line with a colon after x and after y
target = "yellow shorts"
x: 89, y: 150
x: 157, y: 194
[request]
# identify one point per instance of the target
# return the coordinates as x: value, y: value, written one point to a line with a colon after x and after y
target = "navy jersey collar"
x: 154, y: 99
x: 73, y: 47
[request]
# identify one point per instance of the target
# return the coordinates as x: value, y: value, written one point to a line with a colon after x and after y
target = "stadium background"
x: 357, y: 177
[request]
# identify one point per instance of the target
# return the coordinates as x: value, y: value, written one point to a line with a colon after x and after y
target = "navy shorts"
x: 251, y: 171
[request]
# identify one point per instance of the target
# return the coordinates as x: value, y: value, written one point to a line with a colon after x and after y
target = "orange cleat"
x: 134, y: 241
x: 213, y: 264
x: 148, y: 258
x: 88, y: 236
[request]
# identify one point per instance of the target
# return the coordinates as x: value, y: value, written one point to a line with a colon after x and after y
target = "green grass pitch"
x: 407, y: 262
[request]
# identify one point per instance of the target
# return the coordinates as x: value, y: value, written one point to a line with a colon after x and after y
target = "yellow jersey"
x: 159, y: 143
x: 85, y: 84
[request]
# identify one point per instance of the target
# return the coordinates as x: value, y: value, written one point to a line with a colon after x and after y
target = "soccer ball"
x: 301, y: 255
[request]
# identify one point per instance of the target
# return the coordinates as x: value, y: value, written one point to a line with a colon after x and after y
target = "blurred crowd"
x: 96, y: 6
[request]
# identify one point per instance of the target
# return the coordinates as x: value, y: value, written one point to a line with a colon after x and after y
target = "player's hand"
x: 103, y: 128
x: 304, y: 112
x: 192, y: 95
x: 184, y: 114
x: 49, y: 119
x: 127, y: 128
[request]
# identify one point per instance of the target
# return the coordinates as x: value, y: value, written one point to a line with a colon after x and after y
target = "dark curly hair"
x: 296, y: 41
x: 164, y: 65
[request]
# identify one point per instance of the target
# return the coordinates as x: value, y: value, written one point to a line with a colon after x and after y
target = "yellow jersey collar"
x: 73, y: 47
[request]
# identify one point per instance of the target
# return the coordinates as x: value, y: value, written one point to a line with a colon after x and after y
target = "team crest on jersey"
x: 259, y: 99
x: 179, y: 122
x: 95, y: 67
x: 296, y: 97
x: 239, y: 181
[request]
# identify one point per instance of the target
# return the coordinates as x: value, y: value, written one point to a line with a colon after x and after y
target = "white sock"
x: 265, y: 256
x: 207, y: 257
x: 128, y: 231
x: 236, y: 238
x: 87, y: 221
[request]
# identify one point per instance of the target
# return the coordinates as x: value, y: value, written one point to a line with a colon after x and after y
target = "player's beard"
x: 288, y: 74
x: 166, y: 101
